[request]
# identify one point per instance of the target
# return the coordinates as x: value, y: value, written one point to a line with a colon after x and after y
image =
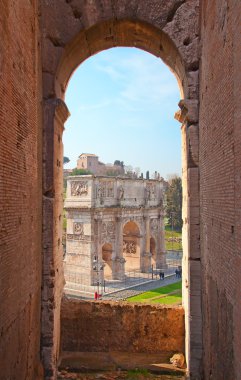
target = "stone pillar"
x: 55, y: 114
x: 118, y: 271
x: 191, y: 263
x: 147, y: 234
x: 97, y: 275
x: 146, y: 256
x: 161, y: 256
x: 118, y: 262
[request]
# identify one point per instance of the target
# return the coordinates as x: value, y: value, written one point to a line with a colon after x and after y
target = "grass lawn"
x: 169, y: 234
x: 166, y: 295
x: 169, y: 300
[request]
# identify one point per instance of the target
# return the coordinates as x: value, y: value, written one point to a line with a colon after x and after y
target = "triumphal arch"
x: 118, y: 221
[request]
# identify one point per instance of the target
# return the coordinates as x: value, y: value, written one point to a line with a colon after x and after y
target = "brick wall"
x: 220, y: 158
x: 110, y: 326
x: 20, y: 187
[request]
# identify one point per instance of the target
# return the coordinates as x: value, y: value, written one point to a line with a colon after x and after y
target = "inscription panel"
x: 78, y: 237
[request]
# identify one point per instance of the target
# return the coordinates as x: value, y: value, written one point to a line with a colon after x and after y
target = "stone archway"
x: 169, y: 31
x: 107, y: 259
x: 131, y: 246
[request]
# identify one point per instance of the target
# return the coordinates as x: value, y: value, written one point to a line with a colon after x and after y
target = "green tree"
x: 76, y: 171
x: 66, y: 160
x: 111, y: 173
x: 119, y: 163
x: 174, y: 203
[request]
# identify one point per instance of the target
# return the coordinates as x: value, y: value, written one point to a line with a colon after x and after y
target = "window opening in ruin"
x: 114, y: 216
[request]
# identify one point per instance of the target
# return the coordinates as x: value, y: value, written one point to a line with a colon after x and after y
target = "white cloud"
x: 111, y: 71
x: 138, y: 82
x: 89, y: 107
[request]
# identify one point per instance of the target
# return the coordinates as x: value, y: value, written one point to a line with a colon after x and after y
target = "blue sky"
x: 122, y: 102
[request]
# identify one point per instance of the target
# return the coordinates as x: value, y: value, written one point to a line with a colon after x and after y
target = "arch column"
x: 146, y: 255
x: 55, y: 113
x: 160, y: 252
x: 97, y: 252
x: 191, y: 263
x: 118, y: 262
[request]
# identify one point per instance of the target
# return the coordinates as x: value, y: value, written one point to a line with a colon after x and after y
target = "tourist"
x: 176, y: 273
x: 161, y: 274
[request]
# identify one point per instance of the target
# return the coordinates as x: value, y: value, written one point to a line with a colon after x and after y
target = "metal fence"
x: 76, y: 282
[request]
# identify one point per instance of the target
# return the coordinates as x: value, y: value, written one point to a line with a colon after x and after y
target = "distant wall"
x: 109, y: 326
x: 20, y: 191
x: 220, y: 168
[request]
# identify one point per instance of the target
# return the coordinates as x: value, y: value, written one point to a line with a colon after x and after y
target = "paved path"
x: 123, y: 294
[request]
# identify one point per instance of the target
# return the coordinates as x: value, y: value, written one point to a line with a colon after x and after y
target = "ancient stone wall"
x: 220, y: 167
x: 110, y: 326
x: 20, y: 191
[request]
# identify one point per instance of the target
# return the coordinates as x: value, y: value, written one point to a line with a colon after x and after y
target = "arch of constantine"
x: 118, y: 220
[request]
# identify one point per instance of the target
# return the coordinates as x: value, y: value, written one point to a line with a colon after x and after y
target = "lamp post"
x: 98, y: 270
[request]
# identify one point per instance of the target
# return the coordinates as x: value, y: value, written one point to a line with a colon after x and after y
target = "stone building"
x: 89, y: 161
x: 42, y: 43
x: 118, y: 220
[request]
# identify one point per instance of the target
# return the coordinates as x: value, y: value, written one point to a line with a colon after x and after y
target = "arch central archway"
x: 131, y: 246
x: 64, y: 60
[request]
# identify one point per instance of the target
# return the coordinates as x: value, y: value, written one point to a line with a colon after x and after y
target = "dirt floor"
x: 116, y: 375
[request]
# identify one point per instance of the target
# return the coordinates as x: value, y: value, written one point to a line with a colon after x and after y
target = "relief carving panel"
x: 79, y: 188
x: 150, y: 191
x: 78, y: 228
x: 107, y: 231
x: 154, y: 225
x: 121, y: 192
x: 105, y: 190
x: 129, y: 247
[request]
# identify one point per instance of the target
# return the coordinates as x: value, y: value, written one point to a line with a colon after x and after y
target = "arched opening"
x: 131, y: 246
x: 107, y: 259
x: 110, y: 34
x: 99, y: 37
